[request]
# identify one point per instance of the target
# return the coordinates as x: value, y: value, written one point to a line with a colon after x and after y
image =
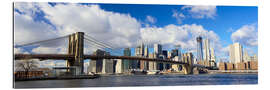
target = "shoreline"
x: 210, y: 72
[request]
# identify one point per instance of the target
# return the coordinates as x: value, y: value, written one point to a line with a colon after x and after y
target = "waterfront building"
x: 138, y: 53
x: 152, y: 65
x: 158, y: 53
x: 97, y: 65
x: 199, y: 49
x: 144, y: 64
x: 119, y: 66
x: 107, y: 66
x: 236, y: 53
x: 165, y: 54
x: 127, y: 63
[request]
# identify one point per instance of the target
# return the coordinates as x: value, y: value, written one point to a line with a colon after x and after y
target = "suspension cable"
x: 27, y: 44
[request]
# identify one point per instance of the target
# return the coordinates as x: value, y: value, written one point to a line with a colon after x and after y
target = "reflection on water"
x: 144, y: 80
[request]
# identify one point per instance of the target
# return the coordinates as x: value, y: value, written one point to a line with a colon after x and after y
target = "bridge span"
x: 75, y: 55
x: 93, y: 57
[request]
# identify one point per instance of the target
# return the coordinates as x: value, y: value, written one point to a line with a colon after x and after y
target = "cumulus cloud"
x: 246, y: 35
x: 95, y: 22
x: 201, y: 11
x: 184, y: 35
x: 120, y: 30
x: 28, y: 30
x: 117, y: 29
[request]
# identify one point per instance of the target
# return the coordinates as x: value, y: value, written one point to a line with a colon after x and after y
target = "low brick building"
x: 254, y: 65
x: 230, y: 66
x: 222, y: 66
x: 29, y: 74
x: 241, y: 66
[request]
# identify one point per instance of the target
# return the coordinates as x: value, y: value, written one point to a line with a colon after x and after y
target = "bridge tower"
x: 188, y: 58
x: 75, y: 47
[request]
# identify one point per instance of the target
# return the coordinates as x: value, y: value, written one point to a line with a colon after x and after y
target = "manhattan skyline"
x: 123, y: 25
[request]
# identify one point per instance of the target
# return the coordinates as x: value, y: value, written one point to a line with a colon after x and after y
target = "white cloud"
x: 246, y: 35
x: 151, y: 19
x: 201, y: 11
x: 179, y: 16
x: 185, y: 35
x: 28, y: 30
x: 120, y: 30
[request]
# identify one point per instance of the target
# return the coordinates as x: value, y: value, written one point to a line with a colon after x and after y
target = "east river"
x: 144, y: 80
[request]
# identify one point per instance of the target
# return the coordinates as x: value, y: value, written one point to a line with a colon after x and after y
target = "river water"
x: 145, y: 80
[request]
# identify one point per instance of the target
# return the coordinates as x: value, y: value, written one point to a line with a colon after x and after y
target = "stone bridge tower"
x: 188, y: 58
x: 75, y: 47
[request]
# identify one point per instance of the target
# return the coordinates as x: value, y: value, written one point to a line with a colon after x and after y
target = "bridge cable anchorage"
x: 32, y: 43
x: 98, y: 41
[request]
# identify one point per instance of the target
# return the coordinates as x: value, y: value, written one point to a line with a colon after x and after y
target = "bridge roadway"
x: 93, y: 57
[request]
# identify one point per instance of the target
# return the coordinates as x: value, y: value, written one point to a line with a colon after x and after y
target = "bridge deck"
x: 92, y: 57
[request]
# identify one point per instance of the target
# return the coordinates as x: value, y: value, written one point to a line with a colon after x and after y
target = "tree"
x: 26, y: 65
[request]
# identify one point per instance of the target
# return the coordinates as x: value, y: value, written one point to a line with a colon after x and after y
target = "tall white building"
x: 236, y: 53
x: 107, y: 66
x: 213, y: 57
x: 206, y: 50
x: 157, y: 49
x: 146, y: 52
x: 119, y: 68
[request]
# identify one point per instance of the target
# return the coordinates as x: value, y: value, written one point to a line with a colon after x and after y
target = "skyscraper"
x: 165, y: 53
x: 236, y: 53
x: 152, y: 64
x: 158, y: 52
x: 174, y: 53
x: 206, y: 48
x: 96, y: 66
x: 213, y: 57
x: 135, y: 63
x: 157, y: 49
x: 127, y: 63
x: 144, y: 64
x: 199, y: 49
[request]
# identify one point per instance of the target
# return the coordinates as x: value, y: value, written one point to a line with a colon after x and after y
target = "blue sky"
x: 228, y: 17
x: 227, y: 20
x: 123, y: 25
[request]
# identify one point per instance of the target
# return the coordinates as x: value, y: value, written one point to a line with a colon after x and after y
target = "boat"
x: 153, y: 72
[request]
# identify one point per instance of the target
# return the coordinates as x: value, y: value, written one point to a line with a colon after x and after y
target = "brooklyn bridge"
x: 75, y: 54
